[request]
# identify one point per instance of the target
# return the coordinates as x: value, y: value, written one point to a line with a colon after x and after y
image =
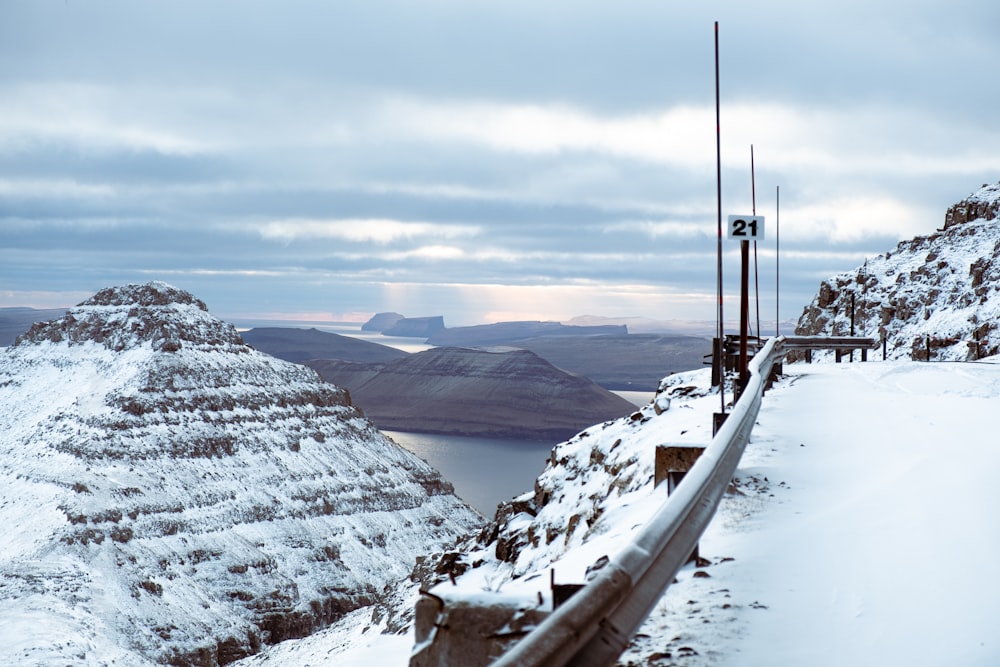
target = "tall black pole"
x: 744, y: 295
x: 718, y: 180
x: 744, y: 314
x: 777, y: 261
x: 756, y: 281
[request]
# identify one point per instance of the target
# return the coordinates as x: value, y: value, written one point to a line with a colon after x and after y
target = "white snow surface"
x: 880, y: 545
x: 168, y: 494
x: 860, y: 527
x: 940, y: 291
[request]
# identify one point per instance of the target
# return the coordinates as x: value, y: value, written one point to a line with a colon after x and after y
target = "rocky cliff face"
x: 171, y: 495
x: 935, y: 296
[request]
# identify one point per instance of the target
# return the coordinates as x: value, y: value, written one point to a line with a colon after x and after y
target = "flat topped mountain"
x: 935, y: 296
x: 172, y: 495
x: 394, y: 324
x: 503, y: 393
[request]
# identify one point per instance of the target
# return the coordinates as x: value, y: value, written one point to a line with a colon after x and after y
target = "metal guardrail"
x: 593, y: 627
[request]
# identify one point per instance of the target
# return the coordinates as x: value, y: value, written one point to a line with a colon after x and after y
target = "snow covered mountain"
x: 936, y: 295
x: 171, y: 495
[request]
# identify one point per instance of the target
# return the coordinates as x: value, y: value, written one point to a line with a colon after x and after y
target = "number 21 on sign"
x: 746, y: 227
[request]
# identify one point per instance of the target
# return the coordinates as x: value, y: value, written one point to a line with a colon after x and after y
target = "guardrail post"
x: 777, y: 368
x: 473, y: 630
x: 718, y: 419
x: 717, y: 361
x: 671, y: 464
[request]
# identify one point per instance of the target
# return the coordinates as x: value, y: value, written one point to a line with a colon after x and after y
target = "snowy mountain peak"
x: 130, y: 316
x: 935, y: 296
x: 171, y: 495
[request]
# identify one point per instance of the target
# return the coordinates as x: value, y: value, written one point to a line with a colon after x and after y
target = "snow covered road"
x: 861, y: 529
x: 881, y: 544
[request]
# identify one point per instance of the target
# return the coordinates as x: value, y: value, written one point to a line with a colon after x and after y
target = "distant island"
x: 379, y: 322
x: 394, y: 324
x: 506, y: 393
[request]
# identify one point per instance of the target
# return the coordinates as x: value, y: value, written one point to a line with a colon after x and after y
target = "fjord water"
x: 485, y: 471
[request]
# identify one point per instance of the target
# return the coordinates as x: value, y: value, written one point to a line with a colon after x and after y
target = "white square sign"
x: 746, y: 227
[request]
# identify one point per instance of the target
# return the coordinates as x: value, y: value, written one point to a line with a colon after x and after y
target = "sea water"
x: 484, y: 471
x: 487, y: 471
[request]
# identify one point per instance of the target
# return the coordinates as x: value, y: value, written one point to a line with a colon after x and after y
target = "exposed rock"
x: 172, y: 495
x: 935, y: 296
x: 982, y: 204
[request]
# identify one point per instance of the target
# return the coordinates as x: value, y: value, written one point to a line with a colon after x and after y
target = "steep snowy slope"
x: 171, y: 495
x: 936, y: 295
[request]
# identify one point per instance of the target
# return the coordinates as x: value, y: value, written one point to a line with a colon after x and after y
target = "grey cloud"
x: 153, y: 141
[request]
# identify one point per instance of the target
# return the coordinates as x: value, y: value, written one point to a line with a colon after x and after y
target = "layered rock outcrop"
x: 173, y: 496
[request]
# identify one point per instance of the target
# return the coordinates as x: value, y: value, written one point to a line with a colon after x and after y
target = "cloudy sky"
x: 481, y: 160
